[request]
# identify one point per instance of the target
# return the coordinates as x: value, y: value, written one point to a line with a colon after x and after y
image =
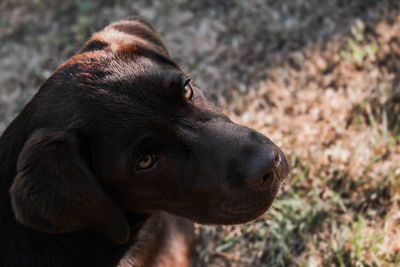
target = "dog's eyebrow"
x: 176, y: 79
x: 162, y: 79
x: 153, y: 55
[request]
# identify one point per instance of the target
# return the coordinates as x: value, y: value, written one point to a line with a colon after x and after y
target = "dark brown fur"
x: 71, y: 193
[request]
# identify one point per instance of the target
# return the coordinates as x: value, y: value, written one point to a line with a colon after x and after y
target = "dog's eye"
x: 188, y: 90
x: 147, y: 161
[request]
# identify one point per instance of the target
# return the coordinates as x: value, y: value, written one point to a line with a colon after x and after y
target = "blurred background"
x: 320, y: 78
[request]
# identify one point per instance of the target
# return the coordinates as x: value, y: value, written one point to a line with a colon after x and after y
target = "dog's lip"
x: 245, y: 209
x: 254, y: 206
x: 244, y: 214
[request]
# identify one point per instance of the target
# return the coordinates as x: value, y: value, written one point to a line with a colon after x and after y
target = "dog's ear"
x: 56, y: 192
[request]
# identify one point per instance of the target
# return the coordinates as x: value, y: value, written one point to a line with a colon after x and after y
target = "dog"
x: 118, y: 154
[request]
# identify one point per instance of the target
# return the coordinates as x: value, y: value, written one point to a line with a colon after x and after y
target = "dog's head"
x: 120, y: 128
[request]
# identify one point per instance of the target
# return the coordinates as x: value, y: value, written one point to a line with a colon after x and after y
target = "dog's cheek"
x: 161, y: 183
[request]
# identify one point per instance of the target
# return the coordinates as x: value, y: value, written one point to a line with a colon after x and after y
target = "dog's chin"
x: 243, y: 214
x: 248, y: 209
x: 227, y: 217
x: 234, y: 217
x: 235, y: 213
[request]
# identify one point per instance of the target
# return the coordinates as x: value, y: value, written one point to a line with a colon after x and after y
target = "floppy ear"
x: 55, y: 191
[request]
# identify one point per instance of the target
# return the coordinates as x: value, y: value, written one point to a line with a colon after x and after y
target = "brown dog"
x: 117, y: 137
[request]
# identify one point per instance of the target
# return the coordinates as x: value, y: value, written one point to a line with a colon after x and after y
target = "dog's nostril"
x: 262, y: 168
x: 277, y: 159
x: 259, y: 181
x: 268, y: 176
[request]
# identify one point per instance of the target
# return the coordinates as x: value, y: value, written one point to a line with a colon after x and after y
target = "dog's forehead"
x: 126, y: 71
x: 145, y: 80
x: 142, y: 69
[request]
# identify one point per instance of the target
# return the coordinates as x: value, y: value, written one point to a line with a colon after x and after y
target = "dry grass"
x: 336, y: 113
x: 321, y: 78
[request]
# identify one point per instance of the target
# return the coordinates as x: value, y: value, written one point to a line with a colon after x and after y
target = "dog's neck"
x: 23, y: 246
x: 11, y: 143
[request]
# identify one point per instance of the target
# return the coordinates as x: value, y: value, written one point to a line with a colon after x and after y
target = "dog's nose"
x: 263, y: 167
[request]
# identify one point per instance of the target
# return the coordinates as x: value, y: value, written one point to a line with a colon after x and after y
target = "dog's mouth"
x: 244, y: 202
x: 252, y: 204
x: 246, y: 206
x: 254, y: 207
